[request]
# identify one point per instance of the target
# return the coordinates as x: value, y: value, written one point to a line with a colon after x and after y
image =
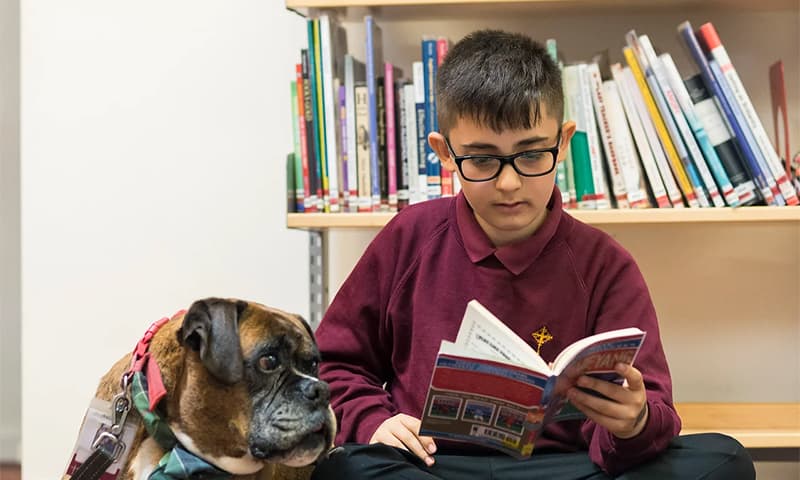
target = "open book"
x: 490, y: 387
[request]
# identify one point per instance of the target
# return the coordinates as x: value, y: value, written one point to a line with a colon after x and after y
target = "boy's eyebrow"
x: 489, y: 146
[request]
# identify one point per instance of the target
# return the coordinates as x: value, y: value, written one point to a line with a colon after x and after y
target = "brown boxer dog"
x: 243, y: 391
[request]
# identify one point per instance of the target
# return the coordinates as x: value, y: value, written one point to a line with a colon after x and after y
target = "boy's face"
x: 510, y: 207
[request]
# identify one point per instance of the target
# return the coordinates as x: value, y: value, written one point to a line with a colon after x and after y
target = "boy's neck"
x: 501, y: 238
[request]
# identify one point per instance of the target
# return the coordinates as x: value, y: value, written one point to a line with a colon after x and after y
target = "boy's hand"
x: 402, y: 431
x: 625, y: 411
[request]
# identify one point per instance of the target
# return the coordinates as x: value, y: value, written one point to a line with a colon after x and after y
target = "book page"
x: 482, y: 332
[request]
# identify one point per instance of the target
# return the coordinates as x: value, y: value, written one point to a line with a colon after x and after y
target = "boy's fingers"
x: 632, y: 376
x: 409, y: 434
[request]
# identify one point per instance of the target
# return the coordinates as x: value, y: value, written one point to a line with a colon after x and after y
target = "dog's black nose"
x: 316, y: 391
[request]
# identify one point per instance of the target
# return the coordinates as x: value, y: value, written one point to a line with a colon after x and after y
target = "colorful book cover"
x: 579, y: 145
x: 501, y: 394
x: 354, y: 71
x: 418, y: 71
x: 446, y: 177
x: 321, y: 115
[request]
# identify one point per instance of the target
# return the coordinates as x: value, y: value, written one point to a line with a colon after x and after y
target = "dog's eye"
x: 268, y: 363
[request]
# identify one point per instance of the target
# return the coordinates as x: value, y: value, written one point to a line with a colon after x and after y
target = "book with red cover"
x: 491, y: 388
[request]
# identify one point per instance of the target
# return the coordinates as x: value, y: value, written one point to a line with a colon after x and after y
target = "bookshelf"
x: 726, y: 282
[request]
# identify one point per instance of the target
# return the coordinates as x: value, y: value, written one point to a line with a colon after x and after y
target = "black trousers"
x: 706, y: 456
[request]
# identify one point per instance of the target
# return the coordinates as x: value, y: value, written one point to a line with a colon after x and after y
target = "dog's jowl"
x: 226, y: 389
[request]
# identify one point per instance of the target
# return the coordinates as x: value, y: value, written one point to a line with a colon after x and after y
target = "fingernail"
x: 428, y: 461
x: 431, y: 448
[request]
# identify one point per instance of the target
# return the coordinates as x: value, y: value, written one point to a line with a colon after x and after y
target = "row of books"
x: 645, y: 136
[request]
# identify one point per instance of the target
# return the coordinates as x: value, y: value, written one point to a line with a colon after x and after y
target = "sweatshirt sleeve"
x: 620, y: 300
x: 354, y: 346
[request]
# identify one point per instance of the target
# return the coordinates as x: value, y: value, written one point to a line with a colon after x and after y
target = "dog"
x: 242, y: 392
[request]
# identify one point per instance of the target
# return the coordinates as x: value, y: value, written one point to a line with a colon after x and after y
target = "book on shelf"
x: 489, y: 387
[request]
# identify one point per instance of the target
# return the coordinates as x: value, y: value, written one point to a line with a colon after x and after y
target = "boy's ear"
x: 567, y: 131
x: 437, y: 143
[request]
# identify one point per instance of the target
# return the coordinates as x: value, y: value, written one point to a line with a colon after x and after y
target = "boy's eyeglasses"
x: 482, y: 168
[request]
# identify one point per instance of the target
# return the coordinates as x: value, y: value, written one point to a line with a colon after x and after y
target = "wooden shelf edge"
x: 755, y: 425
x: 322, y: 221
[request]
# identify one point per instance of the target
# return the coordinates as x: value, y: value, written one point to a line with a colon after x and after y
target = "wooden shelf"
x: 323, y: 221
x: 755, y: 425
x: 304, y: 5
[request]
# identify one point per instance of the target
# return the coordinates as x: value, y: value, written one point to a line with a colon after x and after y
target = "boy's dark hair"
x: 499, y: 80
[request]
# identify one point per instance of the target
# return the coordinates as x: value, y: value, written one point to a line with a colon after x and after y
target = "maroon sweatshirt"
x: 410, y: 290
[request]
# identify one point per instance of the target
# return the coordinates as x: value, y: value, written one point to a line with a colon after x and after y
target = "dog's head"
x: 251, y: 376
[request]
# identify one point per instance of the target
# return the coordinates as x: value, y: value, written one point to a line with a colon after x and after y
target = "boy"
x: 505, y: 241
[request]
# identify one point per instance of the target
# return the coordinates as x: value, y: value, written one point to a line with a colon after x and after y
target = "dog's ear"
x: 308, y: 328
x: 211, y: 327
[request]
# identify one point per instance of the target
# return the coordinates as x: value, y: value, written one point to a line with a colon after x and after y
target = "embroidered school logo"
x: 541, y: 337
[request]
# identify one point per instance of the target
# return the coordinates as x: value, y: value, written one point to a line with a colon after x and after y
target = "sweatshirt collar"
x: 516, y: 257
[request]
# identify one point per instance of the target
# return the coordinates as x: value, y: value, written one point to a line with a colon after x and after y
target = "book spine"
x: 320, y: 116
x: 595, y: 154
x: 687, y: 107
x: 579, y: 145
x: 661, y: 129
x: 430, y: 64
x: 297, y: 121
x: 740, y: 96
x: 350, y: 133
x: 374, y: 60
x: 391, y: 136
x: 695, y: 164
x: 639, y: 137
x: 715, y: 90
x: 561, y: 167
x: 363, y: 156
x: 411, y: 139
x: 626, y: 153
x: 402, y: 145
x: 330, y: 107
x: 344, y: 153
x: 418, y: 72
x: 315, y: 187
x: 653, y: 138
x: 606, y: 135
x: 442, y: 46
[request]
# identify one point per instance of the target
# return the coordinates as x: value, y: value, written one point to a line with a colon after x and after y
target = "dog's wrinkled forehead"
x: 258, y: 322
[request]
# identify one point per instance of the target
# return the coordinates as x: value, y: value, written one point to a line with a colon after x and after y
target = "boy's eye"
x: 533, y: 156
x: 488, y: 163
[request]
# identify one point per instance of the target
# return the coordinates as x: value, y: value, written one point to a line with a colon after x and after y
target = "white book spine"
x: 418, y: 79
x: 330, y: 106
x: 411, y: 142
x: 598, y: 175
x: 607, y: 135
x: 652, y: 139
x: 574, y: 110
x: 350, y: 109
x: 626, y: 152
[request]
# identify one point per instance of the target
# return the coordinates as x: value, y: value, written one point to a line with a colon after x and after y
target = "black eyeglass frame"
x: 506, y: 160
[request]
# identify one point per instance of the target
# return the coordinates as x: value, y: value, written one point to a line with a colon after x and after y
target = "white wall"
x: 10, y: 401
x: 154, y: 137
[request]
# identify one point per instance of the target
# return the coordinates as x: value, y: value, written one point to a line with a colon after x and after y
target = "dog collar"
x: 147, y: 389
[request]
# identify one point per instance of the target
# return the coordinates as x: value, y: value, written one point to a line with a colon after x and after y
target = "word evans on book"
x: 491, y: 388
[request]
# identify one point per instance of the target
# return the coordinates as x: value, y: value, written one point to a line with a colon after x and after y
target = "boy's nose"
x: 508, y: 179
